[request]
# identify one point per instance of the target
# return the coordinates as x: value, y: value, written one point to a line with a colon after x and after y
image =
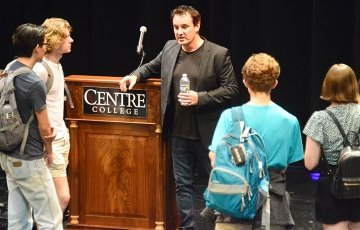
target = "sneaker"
x: 208, y: 214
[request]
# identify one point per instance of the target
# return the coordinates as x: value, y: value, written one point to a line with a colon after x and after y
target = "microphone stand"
x: 141, y: 61
x: 142, y: 58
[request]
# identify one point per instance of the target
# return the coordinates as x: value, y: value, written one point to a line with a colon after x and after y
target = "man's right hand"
x: 127, y: 80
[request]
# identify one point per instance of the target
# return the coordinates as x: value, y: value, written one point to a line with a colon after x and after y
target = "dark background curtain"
x: 305, y: 36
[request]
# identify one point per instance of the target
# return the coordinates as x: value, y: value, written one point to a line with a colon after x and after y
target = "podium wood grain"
x: 120, y: 171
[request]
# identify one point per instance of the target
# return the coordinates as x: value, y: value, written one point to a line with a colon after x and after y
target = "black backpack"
x: 345, y: 176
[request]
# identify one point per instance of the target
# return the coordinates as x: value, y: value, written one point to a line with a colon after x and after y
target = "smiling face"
x: 185, y: 31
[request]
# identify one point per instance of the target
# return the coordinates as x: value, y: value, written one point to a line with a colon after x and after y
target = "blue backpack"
x: 239, y: 182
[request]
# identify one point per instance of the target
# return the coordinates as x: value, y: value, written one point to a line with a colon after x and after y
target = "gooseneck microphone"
x: 139, y: 48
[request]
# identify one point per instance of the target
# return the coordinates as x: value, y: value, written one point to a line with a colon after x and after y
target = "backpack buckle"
x: 9, y: 115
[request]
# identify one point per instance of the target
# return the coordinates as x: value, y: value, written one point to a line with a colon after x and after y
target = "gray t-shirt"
x: 30, y: 93
x: 322, y: 128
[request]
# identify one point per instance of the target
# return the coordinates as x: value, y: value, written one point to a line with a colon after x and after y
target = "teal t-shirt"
x: 279, y: 129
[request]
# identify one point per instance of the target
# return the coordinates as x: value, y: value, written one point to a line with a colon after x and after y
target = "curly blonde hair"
x: 56, y: 30
x: 261, y: 72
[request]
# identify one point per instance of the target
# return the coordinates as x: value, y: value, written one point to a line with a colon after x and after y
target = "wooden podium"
x: 120, y: 171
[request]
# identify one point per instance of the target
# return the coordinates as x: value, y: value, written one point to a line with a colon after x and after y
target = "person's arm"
x: 212, y: 158
x: 221, y: 129
x: 228, y: 87
x: 312, y: 153
x: 142, y: 73
x: 47, y: 133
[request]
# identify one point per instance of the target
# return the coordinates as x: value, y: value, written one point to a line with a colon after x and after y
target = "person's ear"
x: 197, y: 27
x: 245, y: 83
x: 275, y: 84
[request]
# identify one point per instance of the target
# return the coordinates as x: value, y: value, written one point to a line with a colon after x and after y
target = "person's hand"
x: 48, y: 158
x: 127, y: 80
x: 3, y: 73
x: 188, y: 99
x: 52, y: 135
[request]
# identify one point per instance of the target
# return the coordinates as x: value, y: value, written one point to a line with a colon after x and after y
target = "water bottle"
x: 184, y: 84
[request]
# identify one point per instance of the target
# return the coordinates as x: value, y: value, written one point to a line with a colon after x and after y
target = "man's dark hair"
x: 26, y: 37
x: 194, y: 13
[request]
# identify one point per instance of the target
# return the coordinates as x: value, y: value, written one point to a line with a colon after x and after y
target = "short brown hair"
x: 340, y: 85
x: 261, y: 72
x: 180, y: 10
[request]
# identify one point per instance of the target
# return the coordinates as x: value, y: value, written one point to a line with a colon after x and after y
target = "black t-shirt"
x: 185, y: 123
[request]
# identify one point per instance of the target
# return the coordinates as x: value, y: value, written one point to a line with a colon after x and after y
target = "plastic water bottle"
x: 184, y: 84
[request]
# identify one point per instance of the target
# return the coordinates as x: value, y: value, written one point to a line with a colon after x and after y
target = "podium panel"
x: 120, y: 173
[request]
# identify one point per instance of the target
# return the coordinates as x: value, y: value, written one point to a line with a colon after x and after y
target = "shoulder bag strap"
x: 17, y: 72
x: 26, y: 133
x: 265, y: 217
x: 68, y: 96
x: 50, y: 80
x: 331, y: 114
x: 237, y: 116
x: 10, y: 63
x: 328, y: 169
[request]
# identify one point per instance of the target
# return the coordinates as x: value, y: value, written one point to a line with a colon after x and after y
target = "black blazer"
x: 217, y: 86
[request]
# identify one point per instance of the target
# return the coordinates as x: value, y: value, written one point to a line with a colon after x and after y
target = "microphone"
x: 139, y: 48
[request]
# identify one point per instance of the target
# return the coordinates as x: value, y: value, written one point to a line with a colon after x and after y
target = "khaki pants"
x: 236, y: 226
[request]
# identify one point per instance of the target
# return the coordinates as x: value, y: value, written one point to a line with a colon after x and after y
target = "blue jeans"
x: 31, y: 188
x: 186, y: 155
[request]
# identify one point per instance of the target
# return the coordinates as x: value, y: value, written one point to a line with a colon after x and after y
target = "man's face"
x: 40, y: 50
x: 184, y: 29
x: 65, y: 46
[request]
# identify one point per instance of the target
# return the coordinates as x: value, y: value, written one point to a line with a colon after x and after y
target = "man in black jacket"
x: 189, y: 118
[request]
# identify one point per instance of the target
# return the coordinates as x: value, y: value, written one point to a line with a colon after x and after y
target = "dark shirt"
x: 185, y: 123
x: 30, y: 93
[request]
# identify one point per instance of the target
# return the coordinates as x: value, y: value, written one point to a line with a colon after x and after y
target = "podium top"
x: 103, y: 79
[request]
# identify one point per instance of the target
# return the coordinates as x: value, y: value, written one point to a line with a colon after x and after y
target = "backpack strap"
x: 238, y: 116
x: 10, y: 63
x: 26, y: 133
x: 50, y: 81
x: 327, y: 166
x: 10, y: 81
x: 336, y: 121
x: 68, y: 95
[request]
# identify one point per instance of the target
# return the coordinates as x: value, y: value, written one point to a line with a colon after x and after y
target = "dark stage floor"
x: 300, y: 187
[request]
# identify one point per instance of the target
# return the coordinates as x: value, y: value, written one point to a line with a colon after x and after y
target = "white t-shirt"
x: 55, y: 97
